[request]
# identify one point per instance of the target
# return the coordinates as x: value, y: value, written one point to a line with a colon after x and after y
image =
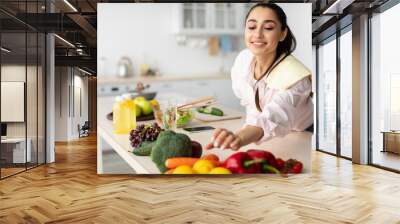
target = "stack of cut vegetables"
x: 250, y: 162
x: 176, y: 153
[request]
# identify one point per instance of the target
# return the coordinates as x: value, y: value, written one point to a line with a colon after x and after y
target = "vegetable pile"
x: 251, y: 162
x: 168, y: 144
x: 175, y: 153
x: 261, y: 161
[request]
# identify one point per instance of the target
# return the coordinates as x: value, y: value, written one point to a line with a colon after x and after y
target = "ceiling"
x: 76, y: 22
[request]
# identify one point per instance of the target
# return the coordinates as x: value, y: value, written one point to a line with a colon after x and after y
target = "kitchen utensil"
x: 205, y: 101
x: 147, y: 96
x: 125, y: 67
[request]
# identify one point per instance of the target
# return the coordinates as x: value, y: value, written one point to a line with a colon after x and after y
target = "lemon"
x: 184, y: 169
x: 155, y: 104
x: 203, y: 166
x: 220, y: 170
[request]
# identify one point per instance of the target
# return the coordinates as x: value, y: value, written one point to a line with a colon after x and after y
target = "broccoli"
x: 144, y: 149
x: 168, y: 145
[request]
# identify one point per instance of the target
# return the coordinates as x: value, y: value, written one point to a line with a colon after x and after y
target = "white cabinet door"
x: 226, y: 18
x: 191, y: 18
x: 194, y: 16
x: 209, y: 18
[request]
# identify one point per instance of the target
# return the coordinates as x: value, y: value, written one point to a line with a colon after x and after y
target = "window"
x: 22, y: 65
x: 327, y: 96
x: 346, y: 93
x: 385, y: 89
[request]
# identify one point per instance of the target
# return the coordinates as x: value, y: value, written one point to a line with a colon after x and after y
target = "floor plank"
x: 70, y: 191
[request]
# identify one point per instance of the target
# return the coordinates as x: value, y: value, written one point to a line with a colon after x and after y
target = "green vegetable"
x: 217, y: 112
x: 213, y: 111
x: 183, y: 117
x: 168, y: 145
x: 144, y: 149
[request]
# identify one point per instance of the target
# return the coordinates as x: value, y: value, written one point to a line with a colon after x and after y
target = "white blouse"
x: 283, y: 111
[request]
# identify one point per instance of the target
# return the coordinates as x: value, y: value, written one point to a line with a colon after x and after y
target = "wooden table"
x: 296, y: 145
x: 14, y: 148
x: 391, y: 141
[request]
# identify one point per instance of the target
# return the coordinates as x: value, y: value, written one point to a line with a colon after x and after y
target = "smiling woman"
x: 272, y: 84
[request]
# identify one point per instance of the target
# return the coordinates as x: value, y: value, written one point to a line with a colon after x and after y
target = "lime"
x: 138, y: 110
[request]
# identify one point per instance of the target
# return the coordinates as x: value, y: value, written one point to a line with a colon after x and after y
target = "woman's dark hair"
x: 285, y: 47
x: 288, y: 45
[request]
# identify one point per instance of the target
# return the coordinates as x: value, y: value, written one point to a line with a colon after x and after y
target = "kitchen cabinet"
x: 209, y: 18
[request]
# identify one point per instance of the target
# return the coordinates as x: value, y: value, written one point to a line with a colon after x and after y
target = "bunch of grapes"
x: 144, y: 133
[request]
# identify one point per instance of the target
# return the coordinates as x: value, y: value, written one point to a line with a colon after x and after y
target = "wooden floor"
x: 10, y: 171
x: 387, y: 159
x: 70, y: 191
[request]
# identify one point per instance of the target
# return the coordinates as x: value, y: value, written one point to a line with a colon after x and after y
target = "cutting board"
x: 228, y: 115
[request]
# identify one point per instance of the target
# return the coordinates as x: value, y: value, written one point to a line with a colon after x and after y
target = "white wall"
x: 79, y: 117
x: 143, y: 32
x: 314, y: 89
x: 299, y: 19
x: 82, y: 82
x: 17, y: 73
x: 65, y: 97
x: 62, y: 81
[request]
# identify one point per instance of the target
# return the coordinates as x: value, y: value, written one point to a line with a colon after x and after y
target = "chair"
x: 84, y: 130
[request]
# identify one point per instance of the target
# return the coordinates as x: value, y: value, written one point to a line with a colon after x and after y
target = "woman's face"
x: 263, y: 31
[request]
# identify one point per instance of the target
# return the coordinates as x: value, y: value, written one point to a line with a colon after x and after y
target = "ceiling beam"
x: 85, y: 61
x: 337, y: 7
x: 84, y: 24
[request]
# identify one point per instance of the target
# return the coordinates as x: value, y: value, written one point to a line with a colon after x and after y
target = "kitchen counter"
x: 296, y: 145
x: 107, y: 80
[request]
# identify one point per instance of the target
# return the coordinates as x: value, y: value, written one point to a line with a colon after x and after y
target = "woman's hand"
x: 224, y: 139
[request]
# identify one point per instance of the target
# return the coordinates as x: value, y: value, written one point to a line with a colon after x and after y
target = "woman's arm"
x: 277, y: 119
x: 288, y: 110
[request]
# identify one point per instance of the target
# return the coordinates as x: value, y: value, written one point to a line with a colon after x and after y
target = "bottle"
x: 131, y: 106
x: 121, y: 117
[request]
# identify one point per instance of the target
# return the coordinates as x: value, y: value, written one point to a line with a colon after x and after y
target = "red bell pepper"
x: 241, y: 162
x: 267, y: 160
x: 262, y: 154
x: 293, y: 166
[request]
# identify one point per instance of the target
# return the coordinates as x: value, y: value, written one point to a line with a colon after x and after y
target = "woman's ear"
x: 283, y: 35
